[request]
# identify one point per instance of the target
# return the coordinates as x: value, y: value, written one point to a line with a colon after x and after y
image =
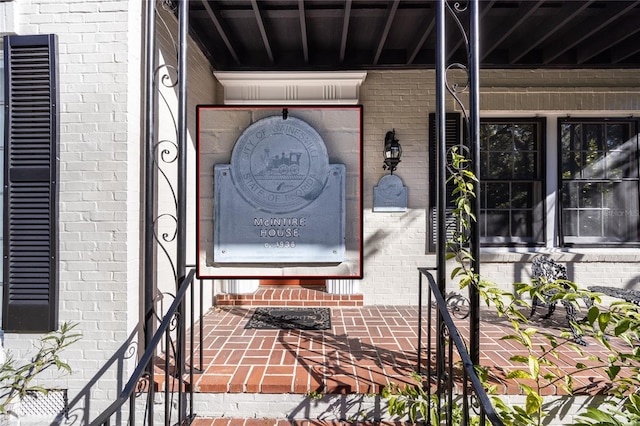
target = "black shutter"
x: 31, y: 184
x: 453, y: 137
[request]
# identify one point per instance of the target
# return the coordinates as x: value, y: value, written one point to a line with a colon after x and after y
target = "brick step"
x: 290, y: 296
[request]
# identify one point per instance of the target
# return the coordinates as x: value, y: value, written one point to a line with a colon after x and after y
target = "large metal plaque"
x: 279, y: 201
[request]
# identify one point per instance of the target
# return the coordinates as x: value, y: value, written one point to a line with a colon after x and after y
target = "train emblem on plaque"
x: 279, y: 201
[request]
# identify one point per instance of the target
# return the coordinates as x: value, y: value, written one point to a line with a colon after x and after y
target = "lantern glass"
x: 394, y: 150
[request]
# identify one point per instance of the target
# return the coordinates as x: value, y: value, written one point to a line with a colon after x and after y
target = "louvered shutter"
x: 30, y: 173
x: 452, y: 130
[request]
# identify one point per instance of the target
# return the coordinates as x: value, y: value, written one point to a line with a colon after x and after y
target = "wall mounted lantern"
x: 392, y: 151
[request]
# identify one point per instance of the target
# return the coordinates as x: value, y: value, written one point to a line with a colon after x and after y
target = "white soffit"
x: 277, y: 88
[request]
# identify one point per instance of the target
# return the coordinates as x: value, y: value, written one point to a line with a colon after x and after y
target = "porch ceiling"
x: 280, y: 35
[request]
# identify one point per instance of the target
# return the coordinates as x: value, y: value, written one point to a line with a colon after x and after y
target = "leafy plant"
x: 541, y: 365
x: 411, y: 400
x: 16, y: 381
x: 414, y: 402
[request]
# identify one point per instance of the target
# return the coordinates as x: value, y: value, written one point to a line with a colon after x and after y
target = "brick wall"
x: 396, y: 243
x: 99, y: 184
x: 100, y: 73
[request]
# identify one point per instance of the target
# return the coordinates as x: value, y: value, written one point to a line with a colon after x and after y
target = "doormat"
x: 290, y: 318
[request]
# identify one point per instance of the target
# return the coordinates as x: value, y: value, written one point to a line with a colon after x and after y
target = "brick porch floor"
x: 366, y: 348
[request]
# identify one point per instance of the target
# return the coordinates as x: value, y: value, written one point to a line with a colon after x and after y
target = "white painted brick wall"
x: 396, y: 243
x: 100, y: 152
x: 97, y: 275
x: 364, y: 408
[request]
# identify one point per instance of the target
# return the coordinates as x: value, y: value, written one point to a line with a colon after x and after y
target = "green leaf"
x: 413, y: 413
x: 424, y: 410
x: 519, y: 358
x: 593, y: 313
x: 512, y: 337
x: 612, y: 371
x: 534, y: 366
x: 622, y: 326
x: 455, y: 271
x: 603, y: 320
x: 568, y: 380
x: 533, y: 403
x: 518, y: 374
x: 599, y: 416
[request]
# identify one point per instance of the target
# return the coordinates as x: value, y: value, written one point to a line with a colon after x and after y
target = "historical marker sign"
x: 279, y: 201
x: 390, y: 195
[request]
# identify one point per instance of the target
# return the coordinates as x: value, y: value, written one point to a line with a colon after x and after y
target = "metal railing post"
x: 441, y: 237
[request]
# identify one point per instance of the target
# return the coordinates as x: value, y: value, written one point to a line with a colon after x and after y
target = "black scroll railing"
x: 457, y: 390
x: 139, y: 398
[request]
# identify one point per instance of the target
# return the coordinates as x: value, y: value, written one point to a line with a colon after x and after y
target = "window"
x: 512, y: 182
x: 599, y: 181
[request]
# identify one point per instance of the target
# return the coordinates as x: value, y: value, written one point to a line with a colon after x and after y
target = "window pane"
x: 497, y: 223
x: 590, y: 222
x: 497, y: 195
x: 570, y: 223
x: 484, y: 162
x: 616, y: 135
x: 524, y: 165
x: 523, y: 137
x: 500, y: 138
x: 594, y: 163
x: 621, y: 196
x: 521, y: 223
x: 571, y: 164
x: 570, y: 195
x: 522, y: 195
x: 622, y: 214
x: 590, y: 195
x: 623, y: 161
x: 500, y: 166
x: 593, y: 137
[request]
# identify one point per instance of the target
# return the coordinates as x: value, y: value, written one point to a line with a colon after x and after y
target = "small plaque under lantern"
x: 390, y: 195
